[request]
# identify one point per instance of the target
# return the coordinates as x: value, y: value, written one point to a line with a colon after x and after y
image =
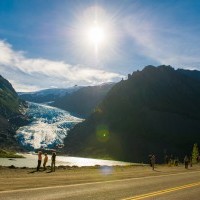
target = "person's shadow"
x: 32, y: 172
x: 35, y: 171
x: 155, y: 170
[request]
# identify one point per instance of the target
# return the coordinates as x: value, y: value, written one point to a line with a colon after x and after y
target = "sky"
x: 48, y: 43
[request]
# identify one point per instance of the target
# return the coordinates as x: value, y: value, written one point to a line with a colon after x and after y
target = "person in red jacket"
x: 39, y: 160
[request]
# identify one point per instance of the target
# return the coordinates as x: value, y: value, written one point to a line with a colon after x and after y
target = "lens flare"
x: 106, y: 170
x: 102, y: 133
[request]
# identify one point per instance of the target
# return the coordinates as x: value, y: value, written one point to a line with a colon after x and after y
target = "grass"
x: 9, y: 154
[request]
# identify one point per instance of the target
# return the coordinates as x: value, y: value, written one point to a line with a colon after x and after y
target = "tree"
x: 195, y: 153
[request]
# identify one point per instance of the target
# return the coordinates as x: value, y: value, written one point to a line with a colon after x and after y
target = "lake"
x: 30, y: 161
x: 48, y: 128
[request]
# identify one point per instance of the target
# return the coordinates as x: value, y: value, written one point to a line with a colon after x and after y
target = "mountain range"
x: 47, y: 95
x: 83, y: 101
x: 155, y: 111
x: 79, y: 100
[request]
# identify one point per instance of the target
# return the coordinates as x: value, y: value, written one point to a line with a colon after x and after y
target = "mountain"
x: 47, y: 95
x: 156, y: 110
x: 83, y: 101
x: 11, y: 114
x: 195, y: 74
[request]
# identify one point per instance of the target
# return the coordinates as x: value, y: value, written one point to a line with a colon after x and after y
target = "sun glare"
x: 96, y: 35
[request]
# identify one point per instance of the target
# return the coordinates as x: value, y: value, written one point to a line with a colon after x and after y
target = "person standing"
x: 39, y: 160
x: 45, y: 161
x: 153, y: 160
x: 53, y: 161
x: 186, y: 161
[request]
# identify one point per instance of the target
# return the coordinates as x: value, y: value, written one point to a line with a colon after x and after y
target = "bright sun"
x: 96, y: 35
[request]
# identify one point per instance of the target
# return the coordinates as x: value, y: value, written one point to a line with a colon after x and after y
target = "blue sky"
x: 42, y: 44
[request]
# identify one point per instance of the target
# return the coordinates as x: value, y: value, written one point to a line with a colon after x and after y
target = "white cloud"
x: 28, y: 74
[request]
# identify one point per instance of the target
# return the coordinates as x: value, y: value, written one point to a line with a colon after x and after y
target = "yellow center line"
x: 151, y: 194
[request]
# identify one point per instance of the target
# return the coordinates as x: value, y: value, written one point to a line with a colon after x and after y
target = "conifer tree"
x: 195, y: 153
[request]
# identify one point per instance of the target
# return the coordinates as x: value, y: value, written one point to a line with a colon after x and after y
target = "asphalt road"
x: 184, y: 186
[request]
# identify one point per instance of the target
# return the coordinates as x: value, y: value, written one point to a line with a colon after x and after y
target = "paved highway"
x: 184, y: 186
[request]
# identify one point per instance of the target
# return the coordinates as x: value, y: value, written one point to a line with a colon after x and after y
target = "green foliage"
x: 9, y: 101
x: 195, y: 153
x: 156, y: 109
x: 10, y: 115
x: 9, y: 154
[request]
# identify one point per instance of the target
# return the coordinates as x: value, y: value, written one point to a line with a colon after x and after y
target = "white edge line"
x: 91, y: 183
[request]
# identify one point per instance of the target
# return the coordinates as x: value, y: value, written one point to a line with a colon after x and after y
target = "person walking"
x: 45, y: 161
x: 53, y: 161
x: 153, y: 160
x: 186, y: 161
x: 39, y: 160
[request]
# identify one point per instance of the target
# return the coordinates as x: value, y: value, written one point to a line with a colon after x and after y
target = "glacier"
x: 48, y: 127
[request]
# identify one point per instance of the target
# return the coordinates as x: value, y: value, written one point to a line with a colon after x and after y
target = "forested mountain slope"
x: 156, y: 110
x: 11, y: 115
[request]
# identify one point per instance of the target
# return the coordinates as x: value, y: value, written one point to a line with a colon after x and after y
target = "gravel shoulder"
x: 18, y: 178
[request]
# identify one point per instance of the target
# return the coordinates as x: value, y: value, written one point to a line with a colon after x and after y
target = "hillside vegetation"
x: 11, y: 115
x: 156, y: 110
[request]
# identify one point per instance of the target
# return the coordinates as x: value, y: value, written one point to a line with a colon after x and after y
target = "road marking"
x: 97, y: 182
x: 151, y: 194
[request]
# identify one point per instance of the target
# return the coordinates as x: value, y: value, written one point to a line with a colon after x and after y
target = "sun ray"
x: 96, y: 35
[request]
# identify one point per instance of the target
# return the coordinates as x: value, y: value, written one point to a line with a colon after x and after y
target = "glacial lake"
x: 30, y: 161
x: 48, y: 128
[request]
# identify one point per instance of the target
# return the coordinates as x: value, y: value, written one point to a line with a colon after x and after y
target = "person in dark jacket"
x: 186, y: 161
x: 53, y: 161
x: 153, y: 161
